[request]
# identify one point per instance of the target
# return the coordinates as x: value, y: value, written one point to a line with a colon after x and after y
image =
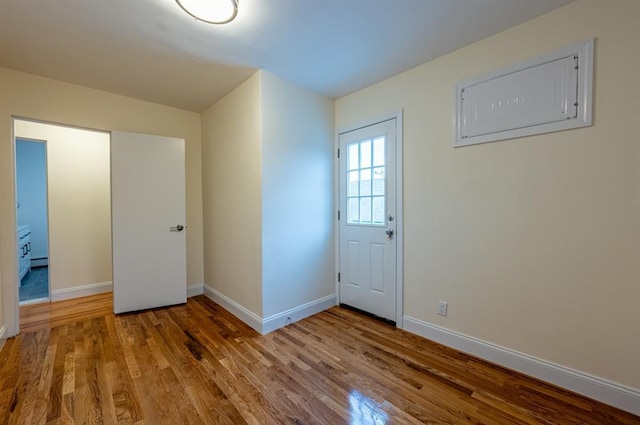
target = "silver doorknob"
x: 178, y: 228
x: 389, y: 234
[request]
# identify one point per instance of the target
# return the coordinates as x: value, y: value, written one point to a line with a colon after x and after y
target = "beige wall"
x: 297, y: 196
x: 231, y: 171
x: 268, y: 195
x: 3, y: 329
x: 79, y: 203
x: 26, y: 95
x: 534, y: 242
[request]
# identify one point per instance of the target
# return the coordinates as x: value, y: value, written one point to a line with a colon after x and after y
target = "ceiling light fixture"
x: 211, y: 11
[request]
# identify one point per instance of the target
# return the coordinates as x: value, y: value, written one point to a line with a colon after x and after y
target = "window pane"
x: 353, y: 211
x: 378, y: 152
x: 378, y: 181
x: 352, y: 186
x: 365, y: 182
x: 352, y: 154
x: 378, y: 210
x: 365, y: 154
x: 365, y: 210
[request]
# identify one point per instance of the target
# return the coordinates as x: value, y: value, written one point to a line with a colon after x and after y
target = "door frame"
x: 399, y: 235
x: 11, y: 295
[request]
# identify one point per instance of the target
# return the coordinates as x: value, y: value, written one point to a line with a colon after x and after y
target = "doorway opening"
x: 33, y: 221
x: 63, y: 215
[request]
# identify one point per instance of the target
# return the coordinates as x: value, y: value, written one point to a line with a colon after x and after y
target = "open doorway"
x: 33, y: 226
x: 72, y: 253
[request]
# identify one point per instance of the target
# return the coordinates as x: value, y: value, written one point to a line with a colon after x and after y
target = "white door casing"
x: 148, y: 209
x: 369, y: 225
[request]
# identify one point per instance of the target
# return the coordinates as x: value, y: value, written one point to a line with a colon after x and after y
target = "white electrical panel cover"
x: 550, y: 93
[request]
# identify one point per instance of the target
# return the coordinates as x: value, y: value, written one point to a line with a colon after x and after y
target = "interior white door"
x: 368, y: 248
x: 148, y: 221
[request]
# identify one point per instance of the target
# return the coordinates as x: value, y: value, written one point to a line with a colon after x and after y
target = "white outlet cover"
x: 442, y: 308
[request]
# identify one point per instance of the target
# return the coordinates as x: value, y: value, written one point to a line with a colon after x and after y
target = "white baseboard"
x: 280, y: 320
x: 34, y: 301
x: 599, y: 389
x: 3, y: 338
x: 193, y: 290
x: 242, y: 313
x: 81, y: 291
x: 273, y: 322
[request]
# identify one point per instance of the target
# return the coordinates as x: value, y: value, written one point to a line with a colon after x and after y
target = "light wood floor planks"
x: 35, y: 317
x: 197, y: 364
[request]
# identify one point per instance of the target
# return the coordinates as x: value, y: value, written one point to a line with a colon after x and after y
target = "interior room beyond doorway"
x: 72, y: 254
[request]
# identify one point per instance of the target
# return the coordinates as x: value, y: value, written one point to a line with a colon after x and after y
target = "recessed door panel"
x: 353, y: 276
x: 377, y: 267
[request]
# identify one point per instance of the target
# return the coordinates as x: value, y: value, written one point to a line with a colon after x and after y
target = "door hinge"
x: 338, y: 276
x: 338, y: 215
x: 338, y: 153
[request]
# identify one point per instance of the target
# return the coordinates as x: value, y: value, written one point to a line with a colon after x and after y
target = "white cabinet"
x: 24, y: 250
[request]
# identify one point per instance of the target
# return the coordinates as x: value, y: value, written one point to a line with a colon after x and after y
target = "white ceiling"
x: 152, y: 50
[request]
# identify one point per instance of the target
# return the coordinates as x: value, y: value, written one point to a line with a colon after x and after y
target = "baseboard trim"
x: 241, y: 312
x: 599, y: 389
x: 280, y: 320
x: 34, y: 301
x: 81, y: 291
x: 271, y: 323
x: 193, y: 290
x: 39, y: 262
x: 3, y: 338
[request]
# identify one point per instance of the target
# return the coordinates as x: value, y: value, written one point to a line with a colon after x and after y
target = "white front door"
x: 368, y: 248
x: 148, y: 221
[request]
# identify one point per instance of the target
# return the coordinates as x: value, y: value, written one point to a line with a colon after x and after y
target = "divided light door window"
x: 366, y: 182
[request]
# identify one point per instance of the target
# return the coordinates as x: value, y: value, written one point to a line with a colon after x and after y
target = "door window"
x: 366, y: 181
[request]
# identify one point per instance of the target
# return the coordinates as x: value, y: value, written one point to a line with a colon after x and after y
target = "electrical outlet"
x: 442, y: 308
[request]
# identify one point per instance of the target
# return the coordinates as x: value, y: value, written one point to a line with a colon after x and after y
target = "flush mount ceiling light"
x: 211, y: 11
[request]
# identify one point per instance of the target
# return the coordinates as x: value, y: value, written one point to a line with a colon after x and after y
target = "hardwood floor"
x: 35, y: 317
x: 197, y: 364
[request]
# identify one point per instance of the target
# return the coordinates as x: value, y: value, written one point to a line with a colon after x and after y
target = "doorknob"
x: 389, y: 234
x: 178, y: 228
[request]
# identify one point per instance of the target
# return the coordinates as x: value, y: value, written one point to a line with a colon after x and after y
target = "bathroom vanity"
x: 24, y: 250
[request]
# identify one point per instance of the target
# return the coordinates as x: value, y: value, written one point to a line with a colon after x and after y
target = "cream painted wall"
x: 297, y: 196
x: 267, y: 190
x: 3, y: 322
x: 534, y: 242
x: 79, y: 204
x: 231, y: 171
x: 25, y: 95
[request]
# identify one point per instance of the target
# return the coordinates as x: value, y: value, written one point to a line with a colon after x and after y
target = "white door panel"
x: 367, y: 225
x: 147, y: 200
